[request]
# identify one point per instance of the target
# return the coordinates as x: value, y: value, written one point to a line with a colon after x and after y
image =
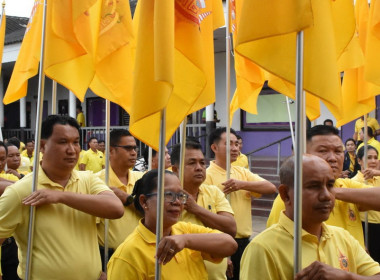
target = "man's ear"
x: 284, y: 193
x: 213, y: 147
x: 175, y: 169
x: 42, y: 145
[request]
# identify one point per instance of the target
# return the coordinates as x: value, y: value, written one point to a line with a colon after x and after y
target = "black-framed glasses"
x: 170, y: 196
x: 128, y: 148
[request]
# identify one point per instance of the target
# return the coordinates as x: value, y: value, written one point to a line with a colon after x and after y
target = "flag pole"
x: 366, y: 241
x: 299, y: 150
x: 160, y: 189
x: 36, y: 163
x: 107, y: 172
x: 183, y: 150
x: 290, y: 121
x: 228, y: 91
x: 149, y: 158
x: 54, y: 98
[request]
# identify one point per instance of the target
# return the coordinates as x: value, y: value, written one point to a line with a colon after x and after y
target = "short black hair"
x: 321, y: 130
x: 348, y: 140
x: 116, y: 134
x: 369, y: 131
x: 360, y: 153
x: 216, y: 134
x: 2, y: 144
x: 238, y: 137
x: 29, y: 140
x: 15, y: 141
x: 8, y: 144
x: 146, y: 154
x: 92, y: 138
x: 79, y: 107
x: 48, y: 124
x: 327, y: 120
x: 176, y: 150
x: 147, y: 184
x: 101, y: 141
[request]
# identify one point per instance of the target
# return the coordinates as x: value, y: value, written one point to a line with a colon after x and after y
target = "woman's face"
x: 172, y: 210
x: 350, y: 146
x: 372, y: 160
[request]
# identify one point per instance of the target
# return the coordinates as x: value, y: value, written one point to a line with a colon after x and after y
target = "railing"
x: 278, y: 142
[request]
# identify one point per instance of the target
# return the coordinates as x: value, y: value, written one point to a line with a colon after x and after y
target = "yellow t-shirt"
x: 373, y: 142
x: 119, y: 229
x: 371, y: 122
x: 65, y: 241
x: 134, y: 258
x: 79, y: 159
x: 270, y: 254
x: 345, y: 215
x: 80, y: 119
x: 240, y: 200
x: 6, y: 176
x: 211, y: 198
x: 373, y: 216
x: 92, y: 160
x: 241, y: 160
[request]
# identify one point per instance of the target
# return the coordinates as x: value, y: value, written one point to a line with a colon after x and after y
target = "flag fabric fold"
x: 2, y: 35
x: 27, y: 62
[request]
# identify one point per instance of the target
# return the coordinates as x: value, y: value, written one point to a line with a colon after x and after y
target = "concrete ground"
x: 258, y: 224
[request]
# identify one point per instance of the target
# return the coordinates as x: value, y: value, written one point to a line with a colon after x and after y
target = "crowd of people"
x: 207, y: 222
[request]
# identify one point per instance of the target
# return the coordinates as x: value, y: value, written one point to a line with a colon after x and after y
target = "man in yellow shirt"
x: 29, y: 152
x: 25, y: 164
x: 328, y: 252
x: 241, y: 187
x: 206, y: 205
x: 242, y: 159
x: 92, y: 159
x: 67, y: 203
x: 3, y: 162
x: 155, y: 158
x: 80, y: 116
x: 371, y: 122
x: 121, y: 180
x: 324, y: 142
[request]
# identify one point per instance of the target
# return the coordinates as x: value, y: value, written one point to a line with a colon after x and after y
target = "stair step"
x: 262, y: 212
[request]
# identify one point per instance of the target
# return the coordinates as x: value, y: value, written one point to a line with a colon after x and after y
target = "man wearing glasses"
x: 121, y: 180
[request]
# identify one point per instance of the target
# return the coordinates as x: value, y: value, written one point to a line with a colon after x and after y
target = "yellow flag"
x: 72, y: 30
x: 328, y: 30
x: 359, y: 94
x: 372, y: 62
x: 249, y: 77
x: 2, y: 36
x: 114, y: 61
x: 29, y: 56
x: 169, y: 66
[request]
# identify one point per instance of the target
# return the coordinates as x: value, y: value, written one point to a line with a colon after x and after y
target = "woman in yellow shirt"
x: 183, y: 247
x: 370, y: 176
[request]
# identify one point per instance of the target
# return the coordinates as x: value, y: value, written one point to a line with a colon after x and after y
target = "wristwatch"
x: 128, y: 201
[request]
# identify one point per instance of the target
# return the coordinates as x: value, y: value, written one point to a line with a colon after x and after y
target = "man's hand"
x: 103, y: 276
x: 13, y: 172
x: 122, y: 195
x: 42, y: 197
x: 230, y: 268
x: 321, y: 271
x: 345, y: 174
x: 232, y: 185
x: 191, y: 205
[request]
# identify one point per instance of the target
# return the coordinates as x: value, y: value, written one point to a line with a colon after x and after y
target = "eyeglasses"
x: 172, y: 196
x: 128, y: 148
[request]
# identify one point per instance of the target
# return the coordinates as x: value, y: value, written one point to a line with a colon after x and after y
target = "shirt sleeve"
x: 97, y: 185
x: 251, y: 177
x: 10, y: 212
x: 221, y: 203
x: 83, y: 159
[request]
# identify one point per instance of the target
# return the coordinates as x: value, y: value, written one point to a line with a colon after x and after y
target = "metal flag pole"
x: 36, y: 163
x: 228, y: 92
x: 160, y: 189
x: 183, y: 151
x: 150, y: 158
x: 365, y: 140
x: 290, y: 121
x: 299, y: 150
x: 54, y: 98
x: 107, y: 172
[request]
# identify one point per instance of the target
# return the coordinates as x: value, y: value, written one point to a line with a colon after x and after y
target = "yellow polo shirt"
x: 270, y: 254
x: 31, y: 159
x: 134, y: 258
x: 241, y: 160
x: 211, y: 198
x: 371, y: 122
x: 373, y: 216
x: 79, y: 159
x: 373, y: 142
x: 92, y: 160
x: 240, y: 200
x: 65, y: 241
x: 119, y: 229
x: 345, y: 215
x: 6, y: 176
x: 25, y: 165
x: 80, y: 119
